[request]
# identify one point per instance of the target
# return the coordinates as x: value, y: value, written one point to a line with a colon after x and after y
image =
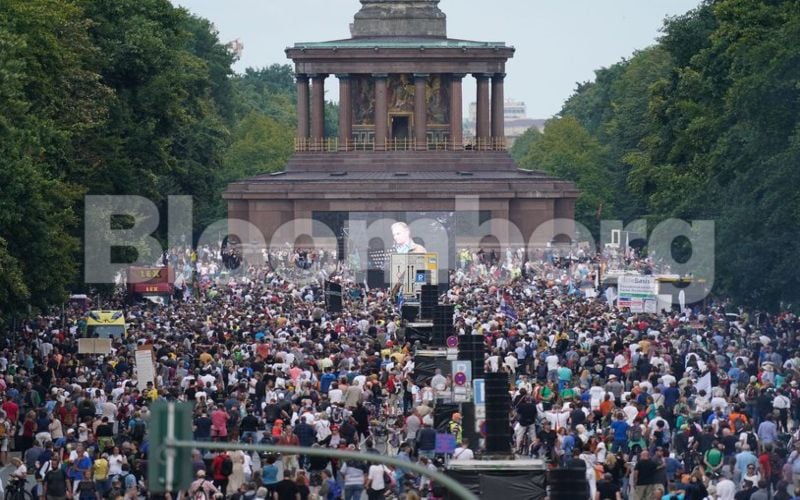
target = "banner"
x: 94, y: 346
x: 704, y: 383
x: 637, y: 293
x: 145, y: 368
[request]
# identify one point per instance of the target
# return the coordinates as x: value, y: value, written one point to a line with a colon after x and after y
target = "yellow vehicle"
x: 105, y: 324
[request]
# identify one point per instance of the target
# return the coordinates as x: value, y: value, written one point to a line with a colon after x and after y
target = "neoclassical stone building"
x: 400, y: 148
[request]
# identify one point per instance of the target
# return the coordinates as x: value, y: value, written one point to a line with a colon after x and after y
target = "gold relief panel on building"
x: 438, y: 98
x: 401, y: 94
x: 363, y: 96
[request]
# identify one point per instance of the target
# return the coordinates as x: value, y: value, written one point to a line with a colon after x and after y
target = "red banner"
x: 155, y: 288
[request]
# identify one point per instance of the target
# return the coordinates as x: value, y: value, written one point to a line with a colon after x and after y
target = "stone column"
x: 420, y: 111
x: 498, y: 109
x: 318, y: 107
x: 456, y: 112
x: 345, y: 112
x: 483, y: 121
x: 381, y: 112
x: 302, y: 111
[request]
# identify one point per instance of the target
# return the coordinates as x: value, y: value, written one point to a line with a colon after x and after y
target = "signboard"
x: 465, y: 369
x: 637, y: 293
x: 445, y: 443
x: 161, y: 288
x: 412, y: 270
x: 145, y: 368
x: 479, y: 394
x: 462, y: 378
x: 479, y: 398
x: 452, y: 348
x: 94, y: 346
x: 150, y: 275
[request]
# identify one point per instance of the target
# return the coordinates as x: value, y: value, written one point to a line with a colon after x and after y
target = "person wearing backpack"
x: 221, y: 469
x: 202, y: 488
x: 331, y: 489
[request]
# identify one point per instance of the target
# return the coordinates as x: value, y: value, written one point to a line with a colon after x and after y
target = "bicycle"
x: 16, y: 490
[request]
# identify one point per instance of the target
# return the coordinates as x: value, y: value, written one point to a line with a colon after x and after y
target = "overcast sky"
x: 558, y: 42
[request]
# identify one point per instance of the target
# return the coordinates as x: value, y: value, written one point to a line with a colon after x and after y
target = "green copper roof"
x: 400, y: 43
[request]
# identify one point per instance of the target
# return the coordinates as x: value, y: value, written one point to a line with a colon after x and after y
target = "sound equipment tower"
x: 376, y: 278
x: 333, y: 297
x: 471, y: 348
x: 498, y: 405
x: 409, y: 312
x: 428, y: 300
x: 442, y: 324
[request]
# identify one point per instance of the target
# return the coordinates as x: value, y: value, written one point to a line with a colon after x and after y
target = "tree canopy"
x: 703, y: 125
x: 128, y: 97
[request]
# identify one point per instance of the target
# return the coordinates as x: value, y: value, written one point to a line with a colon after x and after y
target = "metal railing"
x: 456, y: 488
x: 333, y: 145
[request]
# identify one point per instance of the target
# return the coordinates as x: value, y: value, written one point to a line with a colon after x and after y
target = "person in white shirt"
x: 782, y: 404
x: 552, y: 362
x: 630, y: 412
x: 511, y: 362
x: 463, y: 452
x: 726, y: 489
x: 557, y: 417
x: 596, y: 393
x: 376, y: 485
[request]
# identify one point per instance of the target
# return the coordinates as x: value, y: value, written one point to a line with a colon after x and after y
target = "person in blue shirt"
x: 620, y: 427
x: 671, y: 396
x: 269, y: 475
x: 325, y: 381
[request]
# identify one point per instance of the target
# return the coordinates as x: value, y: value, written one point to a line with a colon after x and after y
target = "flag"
x: 506, y: 307
x: 704, y: 382
x: 401, y: 299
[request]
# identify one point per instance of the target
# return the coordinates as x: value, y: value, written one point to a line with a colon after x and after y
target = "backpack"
x: 337, y: 414
x: 200, y: 493
x: 636, y: 432
x: 739, y: 424
x: 752, y: 440
x: 334, y: 490
x: 227, y: 467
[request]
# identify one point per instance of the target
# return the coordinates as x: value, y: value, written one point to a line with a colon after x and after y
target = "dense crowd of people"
x: 684, y: 405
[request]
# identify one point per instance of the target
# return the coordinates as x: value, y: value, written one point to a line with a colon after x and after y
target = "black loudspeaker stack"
x: 376, y: 278
x: 333, y: 297
x: 567, y: 484
x: 428, y: 301
x: 409, y: 312
x: 498, y: 405
x: 471, y: 348
x: 442, y: 324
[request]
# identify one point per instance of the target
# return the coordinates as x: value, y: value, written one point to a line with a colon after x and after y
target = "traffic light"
x: 169, y: 469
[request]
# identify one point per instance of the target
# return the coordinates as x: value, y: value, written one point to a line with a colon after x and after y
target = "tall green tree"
x: 569, y: 151
x: 51, y: 99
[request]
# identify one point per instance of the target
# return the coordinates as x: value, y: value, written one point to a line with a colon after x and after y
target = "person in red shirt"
x: 219, y: 424
x: 220, y: 479
x: 766, y: 466
x: 12, y: 411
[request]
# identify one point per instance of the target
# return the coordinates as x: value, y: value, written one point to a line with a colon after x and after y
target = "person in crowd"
x: 683, y: 400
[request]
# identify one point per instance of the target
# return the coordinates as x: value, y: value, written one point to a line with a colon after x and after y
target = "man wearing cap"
x: 454, y: 427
